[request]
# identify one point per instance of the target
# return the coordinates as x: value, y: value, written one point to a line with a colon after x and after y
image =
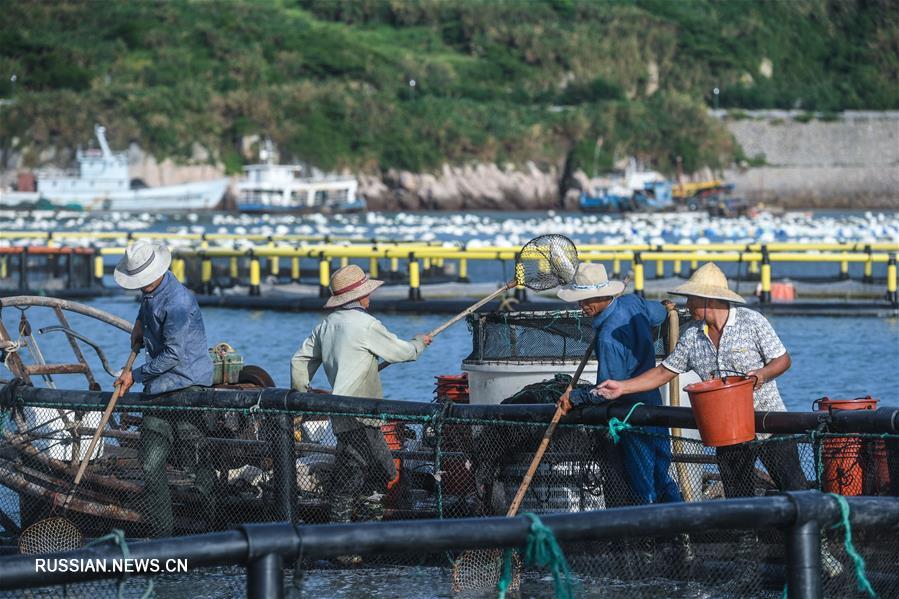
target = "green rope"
x: 617, y: 426
x: 543, y: 551
x: 861, y: 578
x: 117, y: 536
x: 505, y: 579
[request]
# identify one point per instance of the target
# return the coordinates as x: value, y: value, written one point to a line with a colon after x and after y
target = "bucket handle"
x: 720, y: 371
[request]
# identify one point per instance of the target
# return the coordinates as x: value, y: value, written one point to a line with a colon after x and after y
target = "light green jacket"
x: 348, y: 344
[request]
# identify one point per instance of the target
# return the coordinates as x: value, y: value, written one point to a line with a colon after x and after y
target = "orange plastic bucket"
x: 393, y: 435
x: 841, y: 457
x: 723, y: 410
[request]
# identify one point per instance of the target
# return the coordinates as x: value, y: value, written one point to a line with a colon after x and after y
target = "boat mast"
x: 100, y: 132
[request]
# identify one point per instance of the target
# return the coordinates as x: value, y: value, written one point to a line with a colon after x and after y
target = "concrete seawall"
x: 849, y: 162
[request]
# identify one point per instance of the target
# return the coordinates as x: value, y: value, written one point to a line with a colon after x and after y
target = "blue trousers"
x: 647, y: 458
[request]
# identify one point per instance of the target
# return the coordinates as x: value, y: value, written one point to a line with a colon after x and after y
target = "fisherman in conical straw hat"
x: 348, y: 343
x: 625, y: 348
x: 724, y: 340
x: 170, y: 326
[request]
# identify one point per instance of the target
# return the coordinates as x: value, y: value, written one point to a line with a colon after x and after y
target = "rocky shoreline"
x: 797, y: 162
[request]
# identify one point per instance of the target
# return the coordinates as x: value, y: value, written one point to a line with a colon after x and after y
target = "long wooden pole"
x: 683, y: 474
x: 99, y: 432
x: 548, y: 435
x: 469, y: 310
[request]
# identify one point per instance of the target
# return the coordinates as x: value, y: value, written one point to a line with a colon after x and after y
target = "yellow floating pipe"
x: 295, y: 269
x: 373, y: 267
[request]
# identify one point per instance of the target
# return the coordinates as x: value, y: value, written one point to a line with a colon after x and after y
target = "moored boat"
x: 103, y: 183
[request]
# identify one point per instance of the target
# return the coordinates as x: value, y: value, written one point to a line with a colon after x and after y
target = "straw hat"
x: 143, y: 263
x: 708, y: 282
x: 590, y: 280
x: 349, y: 284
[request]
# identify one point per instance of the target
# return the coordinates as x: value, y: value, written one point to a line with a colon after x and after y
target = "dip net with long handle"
x: 546, y: 262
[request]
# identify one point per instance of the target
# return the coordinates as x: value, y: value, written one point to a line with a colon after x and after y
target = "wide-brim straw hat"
x: 708, y: 282
x: 348, y: 284
x: 142, y: 264
x: 590, y: 280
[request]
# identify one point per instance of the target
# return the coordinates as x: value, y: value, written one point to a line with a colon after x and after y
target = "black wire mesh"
x: 554, y: 336
x: 198, y: 470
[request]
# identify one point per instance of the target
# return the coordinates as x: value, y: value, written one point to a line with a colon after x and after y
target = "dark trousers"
x: 647, y: 461
x: 158, y: 437
x: 362, y: 468
x: 736, y: 463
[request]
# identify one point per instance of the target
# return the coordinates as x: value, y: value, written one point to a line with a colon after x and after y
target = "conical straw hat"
x: 709, y: 282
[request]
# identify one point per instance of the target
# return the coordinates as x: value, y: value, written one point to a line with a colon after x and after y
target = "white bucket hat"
x: 349, y: 284
x: 708, y: 282
x: 590, y: 280
x: 143, y: 263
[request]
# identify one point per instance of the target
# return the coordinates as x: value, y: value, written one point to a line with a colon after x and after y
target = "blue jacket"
x: 175, y: 340
x: 625, y: 346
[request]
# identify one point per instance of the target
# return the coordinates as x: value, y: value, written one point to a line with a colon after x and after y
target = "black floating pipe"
x: 882, y: 420
x: 267, y: 545
x: 284, y: 458
x: 265, y: 577
x: 255, y: 541
x: 804, y: 561
x: 803, y: 550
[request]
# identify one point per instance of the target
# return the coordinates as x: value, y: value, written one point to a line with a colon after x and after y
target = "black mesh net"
x: 557, y: 335
x: 164, y: 472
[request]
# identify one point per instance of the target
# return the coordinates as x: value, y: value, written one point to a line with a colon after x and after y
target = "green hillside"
x: 503, y: 81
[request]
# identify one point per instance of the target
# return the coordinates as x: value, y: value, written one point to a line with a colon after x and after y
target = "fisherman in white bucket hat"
x: 625, y: 348
x: 142, y: 265
x: 170, y: 326
x: 348, y: 343
x: 724, y: 340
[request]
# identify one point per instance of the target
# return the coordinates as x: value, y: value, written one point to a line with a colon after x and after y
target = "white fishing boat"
x: 271, y: 187
x: 102, y: 183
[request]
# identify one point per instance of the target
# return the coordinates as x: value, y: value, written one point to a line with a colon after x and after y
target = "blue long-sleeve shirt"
x: 625, y: 347
x: 175, y: 340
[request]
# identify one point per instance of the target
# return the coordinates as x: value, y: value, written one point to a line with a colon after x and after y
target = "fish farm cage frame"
x: 264, y: 550
x: 805, y: 516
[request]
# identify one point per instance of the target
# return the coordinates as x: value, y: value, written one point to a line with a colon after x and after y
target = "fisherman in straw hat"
x: 725, y: 340
x: 169, y: 325
x: 348, y: 343
x: 625, y: 348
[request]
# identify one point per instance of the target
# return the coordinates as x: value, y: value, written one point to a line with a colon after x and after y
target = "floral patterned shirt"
x: 748, y: 342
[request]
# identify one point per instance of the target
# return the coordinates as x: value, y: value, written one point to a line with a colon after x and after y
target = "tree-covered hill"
x: 494, y: 81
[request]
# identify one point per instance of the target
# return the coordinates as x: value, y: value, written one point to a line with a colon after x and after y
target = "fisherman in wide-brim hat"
x: 625, y: 348
x: 348, y: 343
x: 170, y: 327
x: 724, y: 340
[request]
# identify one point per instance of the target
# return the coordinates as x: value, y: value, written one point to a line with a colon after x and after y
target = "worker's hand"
x: 669, y: 305
x: 760, y: 378
x: 565, y: 402
x: 137, y: 335
x: 124, y: 382
x: 426, y: 339
x: 609, y: 389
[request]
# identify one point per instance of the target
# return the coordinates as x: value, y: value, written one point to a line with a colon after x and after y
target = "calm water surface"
x: 837, y: 357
